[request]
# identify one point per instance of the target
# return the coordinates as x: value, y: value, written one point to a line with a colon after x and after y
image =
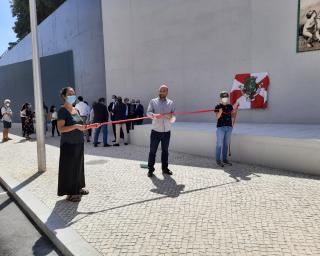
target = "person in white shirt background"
x: 54, y: 119
x: 6, y: 114
x: 84, y: 111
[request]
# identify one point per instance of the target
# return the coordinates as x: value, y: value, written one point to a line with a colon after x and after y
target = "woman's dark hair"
x: 64, y: 91
x: 52, y: 108
x: 119, y: 99
x: 102, y: 100
x: 24, y: 106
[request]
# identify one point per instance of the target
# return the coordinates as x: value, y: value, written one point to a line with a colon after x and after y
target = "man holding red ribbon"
x: 161, y: 126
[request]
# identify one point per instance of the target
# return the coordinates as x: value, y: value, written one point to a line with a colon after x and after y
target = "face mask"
x: 224, y: 100
x: 71, y: 99
x: 8, y: 104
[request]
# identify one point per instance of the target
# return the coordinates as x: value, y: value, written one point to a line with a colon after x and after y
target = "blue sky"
x: 6, y: 23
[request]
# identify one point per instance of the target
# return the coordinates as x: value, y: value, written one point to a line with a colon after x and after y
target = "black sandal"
x: 84, y: 192
x: 73, y: 198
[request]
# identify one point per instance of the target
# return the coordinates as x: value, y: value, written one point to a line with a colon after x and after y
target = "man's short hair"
x: 164, y: 86
x: 80, y: 98
x: 102, y: 100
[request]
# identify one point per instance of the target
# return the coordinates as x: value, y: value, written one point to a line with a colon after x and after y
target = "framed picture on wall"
x: 308, y: 38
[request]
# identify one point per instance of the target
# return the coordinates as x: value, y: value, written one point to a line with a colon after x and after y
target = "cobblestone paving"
x: 200, y: 210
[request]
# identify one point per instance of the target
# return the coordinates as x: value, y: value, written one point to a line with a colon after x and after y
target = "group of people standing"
x: 121, y: 110
x: 72, y: 117
x: 115, y: 111
x: 27, y: 116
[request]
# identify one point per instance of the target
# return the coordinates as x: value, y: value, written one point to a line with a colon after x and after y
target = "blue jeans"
x: 104, y: 133
x: 223, y: 142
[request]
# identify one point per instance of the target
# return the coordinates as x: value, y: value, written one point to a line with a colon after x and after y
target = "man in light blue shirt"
x: 160, y: 110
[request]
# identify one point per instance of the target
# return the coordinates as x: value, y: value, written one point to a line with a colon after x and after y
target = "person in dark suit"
x: 119, y: 111
x: 110, y: 109
x: 132, y: 113
x: 100, y: 115
x: 128, y: 114
x: 139, y: 112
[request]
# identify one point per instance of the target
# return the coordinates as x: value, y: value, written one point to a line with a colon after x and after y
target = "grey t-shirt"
x: 75, y: 136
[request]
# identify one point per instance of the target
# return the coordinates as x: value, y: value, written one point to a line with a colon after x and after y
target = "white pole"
x: 38, y: 100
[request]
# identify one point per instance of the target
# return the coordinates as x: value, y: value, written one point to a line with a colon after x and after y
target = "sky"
x: 6, y: 23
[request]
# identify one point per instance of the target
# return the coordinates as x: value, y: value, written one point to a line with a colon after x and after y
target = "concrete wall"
x: 76, y: 25
x: 197, y: 47
x: 16, y: 81
x: 286, y: 147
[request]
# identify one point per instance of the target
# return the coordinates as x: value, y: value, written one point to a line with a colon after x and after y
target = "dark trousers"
x: 155, y: 139
x: 113, y: 127
x: 104, y: 133
x: 23, y: 123
x: 54, y: 127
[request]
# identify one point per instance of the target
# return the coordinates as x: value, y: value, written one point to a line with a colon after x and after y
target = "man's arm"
x: 170, y: 115
x: 150, y: 112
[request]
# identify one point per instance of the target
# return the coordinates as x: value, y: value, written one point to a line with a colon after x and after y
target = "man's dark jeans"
x: 155, y: 139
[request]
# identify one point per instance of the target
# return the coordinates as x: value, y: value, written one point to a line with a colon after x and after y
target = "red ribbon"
x: 97, y: 125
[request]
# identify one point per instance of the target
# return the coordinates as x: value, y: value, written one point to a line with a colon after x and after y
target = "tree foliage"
x: 20, y: 10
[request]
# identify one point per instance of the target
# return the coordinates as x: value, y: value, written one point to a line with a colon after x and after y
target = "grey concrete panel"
x: 16, y: 81
x: 76, y: 25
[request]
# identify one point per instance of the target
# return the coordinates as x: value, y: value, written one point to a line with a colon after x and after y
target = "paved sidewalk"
x: 200, y: 210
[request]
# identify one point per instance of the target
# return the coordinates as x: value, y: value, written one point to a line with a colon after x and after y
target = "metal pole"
x: 38, y: 100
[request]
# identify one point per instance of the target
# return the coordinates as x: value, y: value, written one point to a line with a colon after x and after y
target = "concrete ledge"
x: 287, y: 147
x: 63, y: 237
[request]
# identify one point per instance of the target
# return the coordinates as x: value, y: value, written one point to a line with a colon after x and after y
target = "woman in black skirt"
x: 28, y: 123
x: 23, y: 118
x: 71, y: 180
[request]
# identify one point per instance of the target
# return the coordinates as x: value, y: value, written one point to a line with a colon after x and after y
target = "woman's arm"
x: 62, y: 128
x: 219, y: 114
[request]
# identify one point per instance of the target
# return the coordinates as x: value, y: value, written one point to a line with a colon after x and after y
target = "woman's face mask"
x: 225, y: 100
x: 71, y: 99
x: 7, y: 104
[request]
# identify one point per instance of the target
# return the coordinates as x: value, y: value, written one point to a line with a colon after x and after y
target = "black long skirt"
x: 71, y: 169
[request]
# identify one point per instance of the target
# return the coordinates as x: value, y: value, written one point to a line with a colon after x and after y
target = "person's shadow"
x: 240, y: 175
x: 168, y: 186
x: 63, y: 213
x: 61, y: 216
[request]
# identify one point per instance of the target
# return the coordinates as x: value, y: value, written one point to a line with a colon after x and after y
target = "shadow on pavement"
x: 172, y: 194
x: 168, y: 186
x: 41, y: 248
x: 61, y: 207
x: 27, y: 181
x: 240, y: 174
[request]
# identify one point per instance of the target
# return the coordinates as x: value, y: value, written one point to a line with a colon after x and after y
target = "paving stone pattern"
x: 200, y: 210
